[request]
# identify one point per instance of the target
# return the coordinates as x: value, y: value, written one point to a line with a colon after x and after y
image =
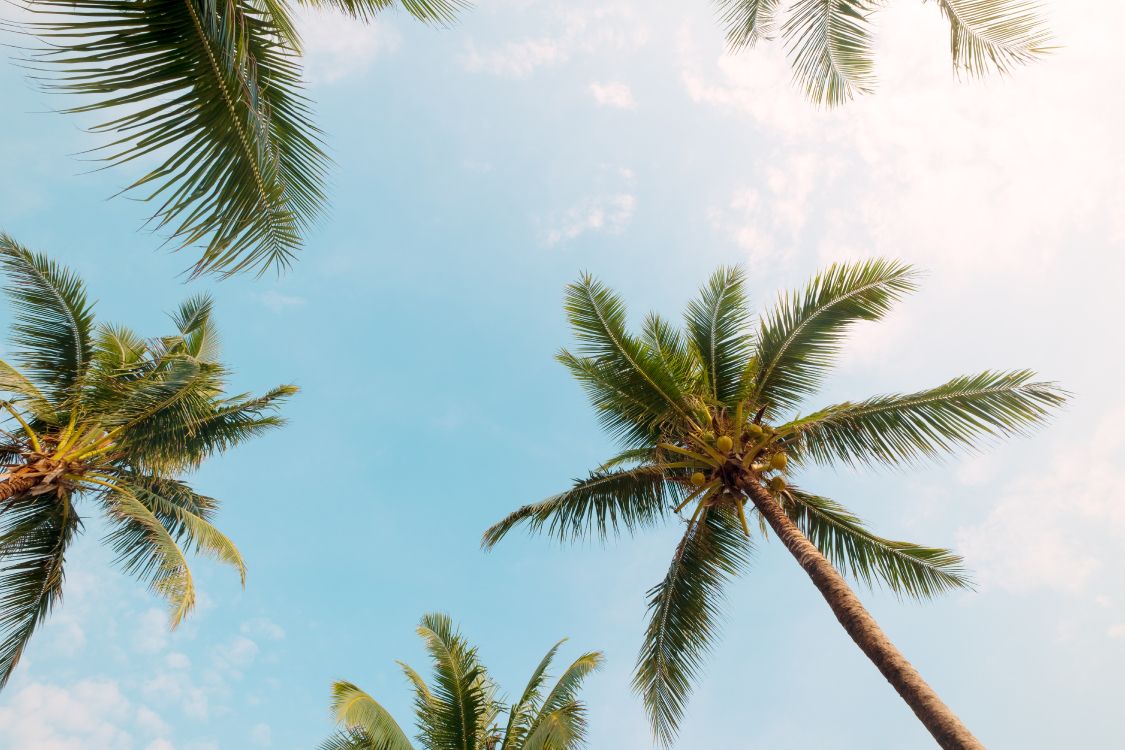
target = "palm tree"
x: 460, y: 710
x: 103, y: 416
x: 830, y: 45
x: 708, y: 425
x: 211, y: 90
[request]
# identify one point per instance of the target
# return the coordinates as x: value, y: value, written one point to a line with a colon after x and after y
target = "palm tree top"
x: 98, y: 414
x: 830, y: 43
x: 460, y: 708
x: 709, y: 411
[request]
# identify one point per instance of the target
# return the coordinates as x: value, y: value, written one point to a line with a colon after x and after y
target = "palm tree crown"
x: 213, y: 91
x: 460, y: 709
x: 831, y: 49
x: 99, y: 414
x: 707, y: 418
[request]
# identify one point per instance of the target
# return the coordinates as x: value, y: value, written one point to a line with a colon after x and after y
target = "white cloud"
x: 1116, y: 631
x: 609, y: 209
x: 151, y: 634
x: 262, y: 627
x: 261, y: 735
x: 613, y: 94
x: 337, y: 47
x: 88, y: 715
x: 583, y: 30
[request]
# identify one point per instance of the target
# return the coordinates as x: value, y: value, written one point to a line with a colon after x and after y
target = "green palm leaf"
x: 987, y: 35
x: 364, y: 719
x: 601, y: 505
x: 716, y: 324
x: 212, y: 88
x: 561, y: 720
x: 905, y: 568
x: 829, y: 42
x: 439, y: 12
x: 521, y: 713
x: 459, y: 695
x: 747, y: 21
x: 899, y: 429
x: 54, y: 320
x: 34, y: 536
x: 684, y: 610
x: 800, y: 338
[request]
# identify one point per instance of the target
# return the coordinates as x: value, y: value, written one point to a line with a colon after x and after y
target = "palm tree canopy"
x: 459, y: 709
x: 702, y: 410
x: 99, y: 414
x: 831, y: 47
x: 212, y: 92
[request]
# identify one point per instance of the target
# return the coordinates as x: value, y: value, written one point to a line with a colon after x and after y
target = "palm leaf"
x: 905, y: 568
x: 987, y: 35
x: 903, y: 428
x: 521, y: 713
x: 560, y: 722
x: 438, y: 12
x: 34, y: 535
x: 362, y: 716
x: 829, y: 42
x: 54, y: 320
x: 213, y: 88
x: 453, y: 706
x: 600, y: 505
x: 684, y: 610
x: 716, y: 325
x: 747, y: 21
x: 800, y: 338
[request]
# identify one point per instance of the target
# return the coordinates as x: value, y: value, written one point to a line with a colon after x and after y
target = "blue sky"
x: 482, y: 168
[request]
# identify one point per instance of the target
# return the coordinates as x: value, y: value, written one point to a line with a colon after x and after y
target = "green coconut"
x: 779, y: 461
x: 724, y: 444
x: 697, y: 478
x: 777, y: 484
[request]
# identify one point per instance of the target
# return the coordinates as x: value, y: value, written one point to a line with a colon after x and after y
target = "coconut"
x: 724, y: 444
x: 755, y: 429
x: 779, y: 461
x: 777, y: 484
x: 697, y: 478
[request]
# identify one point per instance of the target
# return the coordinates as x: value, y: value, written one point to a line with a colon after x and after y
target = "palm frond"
x: 560, y: 722
x: 437, y: 12
x: 522, y: 712
x: 363, y: 717
x: 747, y: 22
x: 34, y: 535
x: 348, y: 740
x: 54, y: 320
x: 800, y: 338
x: 198, y: 333
x: 995, y: 35
x: 905, y: 568
x: 600, y: 505
x: 684, y: 610
x: 903, y: 428
x: 459, y: 695
x: 597, y: 317
x: 669, y: 348
x: 25, y: 393
x: 213, y: 88
x: 145, y: 548
x: 716, y: 323
x: 829, y: 43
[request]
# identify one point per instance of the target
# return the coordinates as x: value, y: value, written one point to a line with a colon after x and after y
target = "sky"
x: 481, y: 168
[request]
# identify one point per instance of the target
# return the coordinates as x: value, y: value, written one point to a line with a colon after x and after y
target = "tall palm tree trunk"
x: 941, y: 722
x: 16, y: 485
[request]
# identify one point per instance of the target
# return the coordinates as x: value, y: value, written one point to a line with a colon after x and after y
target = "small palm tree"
x: 461, y: 711
x: 831, y: 49
x: 213, y: 91
x: 102, y: 416
x: 707, y: 418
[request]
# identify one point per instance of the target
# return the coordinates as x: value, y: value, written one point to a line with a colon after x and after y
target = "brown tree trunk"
x: 16, y: 485
x: 942, y: 723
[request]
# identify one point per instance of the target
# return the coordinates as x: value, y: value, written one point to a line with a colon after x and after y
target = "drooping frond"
x: 212, y: 88
x: 716, y: 324
x: 747, y: 22
x: 53, y: 323
x: 20, y: 390
x: 34, y: 535
x: 184, y: 513
x: 367, y: 725
x: 601, y: 505
x: 800, y: 338
x: 899, y: 429
x: 345, y: 740
x: 829, y: 43
x: 438, y: 12
x: 684, y: 610
x: 905, y: 568
x: 987, y: 35
x: 597, y: 317
x: 450, y: 712
x: 147, y: 550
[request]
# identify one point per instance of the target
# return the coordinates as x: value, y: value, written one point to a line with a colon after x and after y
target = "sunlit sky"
x: 480, y: 169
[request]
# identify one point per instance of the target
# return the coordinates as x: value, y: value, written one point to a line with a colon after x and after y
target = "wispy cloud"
x: 613, y: 94
x: 606, y: 211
